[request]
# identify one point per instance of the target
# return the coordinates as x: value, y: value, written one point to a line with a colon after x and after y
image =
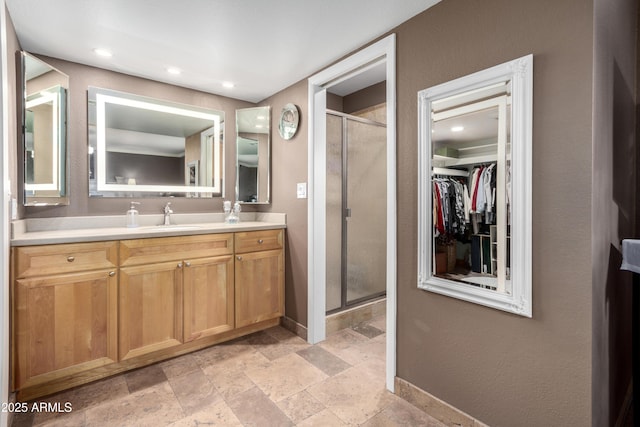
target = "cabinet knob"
x: 239, y: 258
x: 187, y: 264
x: 179, y: 265
x: 112, y: 273
x: 71, y: 258
x: 260, y: 241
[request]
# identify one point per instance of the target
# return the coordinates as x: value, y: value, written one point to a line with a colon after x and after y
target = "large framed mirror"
x: 475, y: 187
x: 141, y: 146
x: 44, y: 121
x: 253, y: 148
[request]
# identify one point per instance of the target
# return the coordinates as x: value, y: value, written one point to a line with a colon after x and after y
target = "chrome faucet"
x: 167, y: 214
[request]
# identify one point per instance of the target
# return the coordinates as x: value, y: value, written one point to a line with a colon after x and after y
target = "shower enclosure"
x: 356, y: 210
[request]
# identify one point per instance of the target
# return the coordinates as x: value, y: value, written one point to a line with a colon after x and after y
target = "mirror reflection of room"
x: 141, y: 146
x: 44, y: 118
x: 252, y: 148
x: 471, y: 187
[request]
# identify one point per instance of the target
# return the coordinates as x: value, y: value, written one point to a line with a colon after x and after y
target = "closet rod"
x: 452, y: 172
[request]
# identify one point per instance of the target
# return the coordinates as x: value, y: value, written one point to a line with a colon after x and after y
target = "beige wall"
x: 504, y: 369
x: 614, y: 202
x: 81, y: 77
x: 289, y: 167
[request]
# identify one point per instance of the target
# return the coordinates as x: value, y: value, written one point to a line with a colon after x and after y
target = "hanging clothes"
x: 482, y: 196
x: 438, y: 214
x: 489, y: 188
x: 450, y: 201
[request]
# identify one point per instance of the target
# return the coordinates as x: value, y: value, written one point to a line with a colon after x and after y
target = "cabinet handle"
x: 187, y: 264
x: 260, y: 241
x: 112, y: 273
x: 71, y: 258
x: 179, y: 265
x: 239, y: 258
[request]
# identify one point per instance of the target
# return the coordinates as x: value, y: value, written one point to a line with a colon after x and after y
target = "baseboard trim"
x: 433, y: 406
x: 295, y: 327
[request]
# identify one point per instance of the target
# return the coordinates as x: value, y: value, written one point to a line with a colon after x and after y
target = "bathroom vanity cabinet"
x: 259, y: 269
x: 83, y: 311
x: 156, y: 300
x: 64, y: 310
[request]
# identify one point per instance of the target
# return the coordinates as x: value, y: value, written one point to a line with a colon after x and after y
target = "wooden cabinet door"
x: 208, y: 297
x: 259, y: 286
x: 150, y: 308
x: 64, y: 324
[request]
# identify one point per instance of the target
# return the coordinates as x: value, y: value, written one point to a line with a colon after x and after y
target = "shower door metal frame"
x: 346, y: 213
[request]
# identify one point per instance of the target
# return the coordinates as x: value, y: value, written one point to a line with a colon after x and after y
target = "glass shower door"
x: 356, y: 210
x: 334, y: 212
x: 365, y: 186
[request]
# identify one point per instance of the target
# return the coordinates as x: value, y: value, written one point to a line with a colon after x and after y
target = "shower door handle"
x: 347, y: 212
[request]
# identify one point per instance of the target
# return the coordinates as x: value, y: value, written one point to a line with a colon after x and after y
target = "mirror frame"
x: 520, y: 73
x: 266, y: 201
x: 97, y: 100
x: 58, y: 96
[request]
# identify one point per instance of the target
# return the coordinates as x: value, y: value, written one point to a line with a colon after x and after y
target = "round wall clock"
x: 288, y: 124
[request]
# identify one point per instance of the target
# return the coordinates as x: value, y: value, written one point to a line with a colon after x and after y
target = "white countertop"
x: 42, y: 231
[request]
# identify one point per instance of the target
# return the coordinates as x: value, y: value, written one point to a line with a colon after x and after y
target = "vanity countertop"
x: 47, y: 231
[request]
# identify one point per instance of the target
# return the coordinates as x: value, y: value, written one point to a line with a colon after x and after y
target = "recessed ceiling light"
x: 228, y: 85
x: 457, y: 128
x: 260, y: 117
x: 173, y: 70
x: 259, y: 126
x: 102, y: 52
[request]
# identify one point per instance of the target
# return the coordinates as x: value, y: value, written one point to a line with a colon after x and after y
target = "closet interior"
x: 471, y: 188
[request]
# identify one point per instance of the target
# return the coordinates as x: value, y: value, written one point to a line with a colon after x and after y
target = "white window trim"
x: 520, y: 72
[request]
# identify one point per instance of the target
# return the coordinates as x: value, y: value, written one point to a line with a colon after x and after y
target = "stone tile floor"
x: 270, y: 378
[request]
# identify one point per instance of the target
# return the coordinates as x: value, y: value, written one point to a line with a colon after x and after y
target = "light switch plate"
x: 302, y: 190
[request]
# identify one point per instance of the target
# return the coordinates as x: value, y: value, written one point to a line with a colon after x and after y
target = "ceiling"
x: 260, y: 46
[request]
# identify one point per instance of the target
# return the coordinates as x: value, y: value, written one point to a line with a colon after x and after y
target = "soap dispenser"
x: 226, y: 206
x: 231, y: 216
x: 132, y: 215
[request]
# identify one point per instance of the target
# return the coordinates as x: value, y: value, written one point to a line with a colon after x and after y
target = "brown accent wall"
x: 375, y: 94
x: 335, y: 102
x: 613, y: 203
x: 503, y: 369
x: 80, y: 78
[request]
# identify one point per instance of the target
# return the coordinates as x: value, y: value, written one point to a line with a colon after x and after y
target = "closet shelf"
x: 450, y: 172
x: 443, y: 161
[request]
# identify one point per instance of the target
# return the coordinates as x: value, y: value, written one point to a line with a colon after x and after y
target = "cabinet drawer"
x: 146, y: 251
x: 33, y: 261
x: 263, y: 240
